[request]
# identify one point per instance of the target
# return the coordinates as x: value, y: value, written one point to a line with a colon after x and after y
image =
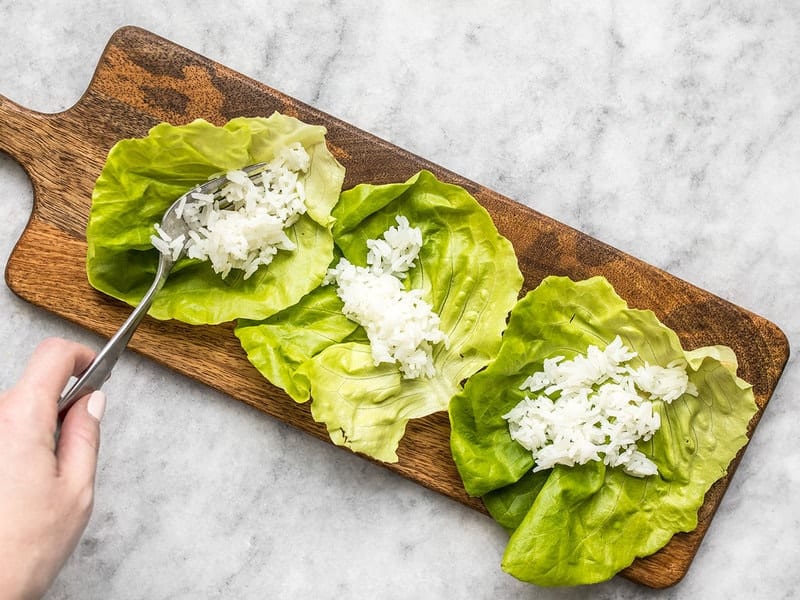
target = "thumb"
x: 80, y: 439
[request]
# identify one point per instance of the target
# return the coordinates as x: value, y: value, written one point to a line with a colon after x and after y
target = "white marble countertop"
x: 668, y: 130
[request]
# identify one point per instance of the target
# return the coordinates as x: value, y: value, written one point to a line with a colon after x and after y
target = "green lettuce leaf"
x: 583, y: 524
x: 143, y: 176
x: 281, y: 344
x: 468, y: 273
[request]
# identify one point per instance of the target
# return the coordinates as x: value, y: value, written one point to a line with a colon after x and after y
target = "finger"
x: 80, y: 441
x: 47, y: 372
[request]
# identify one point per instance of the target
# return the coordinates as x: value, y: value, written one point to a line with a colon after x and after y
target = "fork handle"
x: 98, y: 372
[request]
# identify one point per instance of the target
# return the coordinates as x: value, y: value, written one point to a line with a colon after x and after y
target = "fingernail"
x: 97, y: 404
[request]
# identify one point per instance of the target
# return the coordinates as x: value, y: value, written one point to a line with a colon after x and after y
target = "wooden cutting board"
x: 142, y: 79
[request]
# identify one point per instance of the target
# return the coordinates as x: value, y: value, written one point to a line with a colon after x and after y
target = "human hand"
x: 46, y: 492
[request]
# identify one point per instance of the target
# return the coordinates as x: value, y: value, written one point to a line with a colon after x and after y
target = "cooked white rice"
x: 593, y: 408
x: 245, y: 225
x: 401, y: 326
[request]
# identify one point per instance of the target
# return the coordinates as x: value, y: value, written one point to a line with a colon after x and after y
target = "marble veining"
x: 670, y: 130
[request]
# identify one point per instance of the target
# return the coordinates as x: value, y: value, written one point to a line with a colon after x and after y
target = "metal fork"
x: 98, y: 372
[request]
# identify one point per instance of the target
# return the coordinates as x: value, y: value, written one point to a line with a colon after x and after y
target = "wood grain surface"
x: 142, y: 80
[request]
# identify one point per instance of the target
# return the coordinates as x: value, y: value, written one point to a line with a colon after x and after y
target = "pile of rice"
x: 243, y: 226
x: 595, y: 407
x: 401, y: 326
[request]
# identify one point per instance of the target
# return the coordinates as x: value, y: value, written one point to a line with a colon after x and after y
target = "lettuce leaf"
x: 583, y: 524
x: 468, y: 273
x: 143, y: 176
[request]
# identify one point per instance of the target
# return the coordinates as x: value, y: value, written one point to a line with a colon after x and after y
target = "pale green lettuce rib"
x: 468, y: 273
x: 578, y: 525
x: 143, y: 176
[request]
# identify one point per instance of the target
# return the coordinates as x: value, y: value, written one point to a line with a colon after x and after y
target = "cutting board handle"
x: 48, y: 145
x: 24, y: 133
